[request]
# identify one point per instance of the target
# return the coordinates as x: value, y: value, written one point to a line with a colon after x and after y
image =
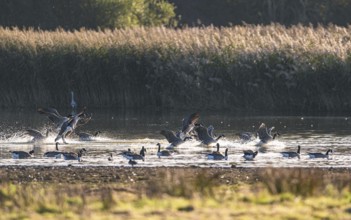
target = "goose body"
x: 249, y: 154
x: 320, y: 155
x: 21, y: 154
x: 292, y: 154
x: 73, y: 156
x: 204, y: 137
x: 110, y: 158
x: 172, y: 138
x: 68, y: 127
x: 163, y: 153
x: 55, y: 154
x: 132, y: 162
x: 86, y: 136
x: 134, y: 156
x: 37, y: 135
x: 265, y: 134
x: 218, y: 156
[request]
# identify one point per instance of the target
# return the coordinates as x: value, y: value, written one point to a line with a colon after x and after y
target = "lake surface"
x: 123, y: 130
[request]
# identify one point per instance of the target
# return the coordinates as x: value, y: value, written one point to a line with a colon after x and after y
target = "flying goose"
x: 265, y: 134
x: 188, y: 123
x: 74, y: 156
x: 245, y: 136
x: 58, y: 120
x: 37, y: 136
x: 86, y: 136
x: 134, y: 156
x: 249, y: 154
x: 205, y: 137
x: 320, y: 155
x: 172, y: 138
x: 21, y: 154
x: 68, y: 127
x: 56, y: 154
x: 216, y: 155
x: 163, y: 153
x: 291, y: 154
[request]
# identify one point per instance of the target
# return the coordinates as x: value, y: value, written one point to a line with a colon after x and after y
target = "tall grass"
x: 241, y: 67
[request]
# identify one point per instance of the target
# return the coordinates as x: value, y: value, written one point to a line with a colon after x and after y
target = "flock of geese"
x: 191, y: 129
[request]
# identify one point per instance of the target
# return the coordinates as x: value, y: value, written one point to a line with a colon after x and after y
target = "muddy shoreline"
x: 77, y: 174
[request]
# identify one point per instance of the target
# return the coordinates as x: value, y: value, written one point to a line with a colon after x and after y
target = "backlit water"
x: 121, y: 131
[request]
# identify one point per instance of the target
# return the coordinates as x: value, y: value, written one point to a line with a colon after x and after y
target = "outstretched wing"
x: 170, y: 136
x: 189, y: 122
x: 34, y: 133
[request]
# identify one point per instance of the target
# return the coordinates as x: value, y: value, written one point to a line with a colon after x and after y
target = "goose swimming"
x: 163, y: 153
x: 216, y: 155
x: 132, y: 162
x: 249, y: 154
x: 110, y: 158
x: 21, y: 154
x: 320, y: 155
x: 291, y: 154
x: 134, y: 156
x: 74, y: 156
x: 56, y: 154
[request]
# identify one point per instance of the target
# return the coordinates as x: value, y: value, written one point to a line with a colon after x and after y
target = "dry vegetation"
x: 176, y: 193
x: 257, y: 67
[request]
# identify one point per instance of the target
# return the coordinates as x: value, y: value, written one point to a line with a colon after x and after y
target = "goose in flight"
x: 265, y: 134
x: 172, y: 138
x: 37, y: 136
x: 205, y: 137
x: 188, y: 123
x: 68, y: 127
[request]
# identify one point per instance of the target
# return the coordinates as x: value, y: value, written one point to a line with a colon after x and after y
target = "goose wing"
x: 210, y: 131
x: 189, y: 122
x: 202, y: 133
x: 170, y: 136
x: 34, y: 133
x: 263, y: 132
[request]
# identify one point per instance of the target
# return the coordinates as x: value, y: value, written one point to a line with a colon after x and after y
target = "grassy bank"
x: 251, y: 67
x: 179, y: 193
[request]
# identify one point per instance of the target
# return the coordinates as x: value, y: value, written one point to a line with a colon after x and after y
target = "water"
x: 121, y: 131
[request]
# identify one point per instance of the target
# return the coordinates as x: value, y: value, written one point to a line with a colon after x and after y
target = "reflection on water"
x: 132, y: 130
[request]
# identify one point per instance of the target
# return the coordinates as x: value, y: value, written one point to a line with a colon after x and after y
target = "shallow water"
x: 121, y: 131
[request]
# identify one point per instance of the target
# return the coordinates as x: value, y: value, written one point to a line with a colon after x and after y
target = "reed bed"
x: 240, y: 67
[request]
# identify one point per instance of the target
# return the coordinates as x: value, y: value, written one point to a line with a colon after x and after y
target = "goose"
x: 74, y: 156
x: 56, y: 154
x: 188, y: 123
x: 291, y: 154
x: 217, y: 155
x: 173, y: 139
x: 110, y: 158
x: 68, y: 127
x: 205, y: 137
x: 58, y: 120
x: 245, y: 136
x: 320, y: 155
x: 37, y: 136
x: 21, y: 154
x: 134, y: 156
x: 73, y: 103
x: 126, y: 153
x: 265, y: 134
x: 163, y: 153
x: 86, y: 136
x: 132, y: 162
x: 249, y: 154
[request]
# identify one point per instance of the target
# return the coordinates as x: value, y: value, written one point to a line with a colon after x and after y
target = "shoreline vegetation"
x: 174, y: 193
x: 241, y: 67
